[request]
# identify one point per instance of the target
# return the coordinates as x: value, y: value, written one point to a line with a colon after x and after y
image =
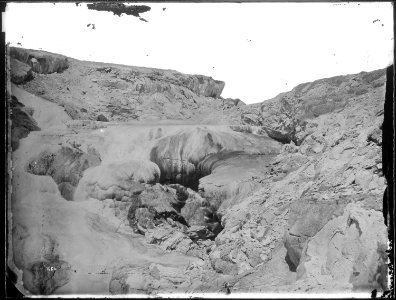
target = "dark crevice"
x: 181, y: 194
x: 183, y: 174
x: 214, y: 224
x: 292, y: 266
x: 187, y: 172
x: 188, y: 180
x: 353, y: 221
x: 213, y: 219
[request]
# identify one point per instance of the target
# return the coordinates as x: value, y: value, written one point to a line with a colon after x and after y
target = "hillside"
x: 130, y: 180
x: 123, y: 93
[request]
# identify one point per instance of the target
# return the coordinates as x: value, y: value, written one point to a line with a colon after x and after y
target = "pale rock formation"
x: 163, y: 204
x: 119, y: 181
x: 349, y: 248
x: 181, y: 156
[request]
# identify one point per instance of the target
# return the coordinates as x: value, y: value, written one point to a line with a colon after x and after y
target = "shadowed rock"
x: 20, y: 72
x: 349, y: 248
x: 40, y: 61
x: 102, y: 118
x: 316, y: 215
x: 21, y: 122
x: 43, y: 277
x: 179, y: 156
x: 65, y: 165
x: 152, y: 207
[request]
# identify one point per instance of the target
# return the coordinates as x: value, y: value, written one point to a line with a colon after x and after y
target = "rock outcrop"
x: 185, y: 156
x: 350, y: 248
x: 317, y: 213
x: 22, y: 122
x: 335, y: 162
x: 184, y: 191
x: 102, y: 118
x: 290, y: 116
x: 40, y: 61
x: 65, y: 165
x: 123, y: 93
x: 20, y: 72
x: 152, y: 207
x: 118, y: 181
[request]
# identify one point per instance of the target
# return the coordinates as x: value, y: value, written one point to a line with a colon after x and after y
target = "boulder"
x: 229, y: 102
x: 349, y: 248
x: 251, y: 119
x: 289, y: 148
x: 102, y: 118
x: 313, y: 144
x: 196, y: 209
x: 306, y: 218
x: 153, y: 207
x: 199, y: 232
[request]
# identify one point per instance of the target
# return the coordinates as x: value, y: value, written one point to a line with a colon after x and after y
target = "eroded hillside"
x: 132, y: 180
x: 88, y: 90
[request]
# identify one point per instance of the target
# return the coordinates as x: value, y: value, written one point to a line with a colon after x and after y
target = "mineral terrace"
x: 130, y: 180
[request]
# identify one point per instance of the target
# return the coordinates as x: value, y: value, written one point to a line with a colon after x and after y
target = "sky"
x: 258, y: 49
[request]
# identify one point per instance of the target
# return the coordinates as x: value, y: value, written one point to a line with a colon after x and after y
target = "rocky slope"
x: 185, y: 192
x: 291, y: 116
x: 121, y: 93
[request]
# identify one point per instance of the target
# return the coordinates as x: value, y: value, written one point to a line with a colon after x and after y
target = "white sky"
x: 290, y: 43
